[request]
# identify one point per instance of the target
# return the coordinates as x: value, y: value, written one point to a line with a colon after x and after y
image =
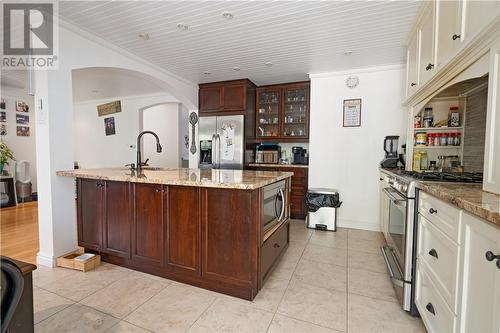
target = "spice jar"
x: 430, y: 139
x: 437, y: 137
x: 457, y: 139
x: 443, y: 139
x: 451, y: 139
x: 428, y: 117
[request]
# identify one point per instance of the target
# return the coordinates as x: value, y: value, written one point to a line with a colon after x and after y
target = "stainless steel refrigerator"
x: 221, y: 142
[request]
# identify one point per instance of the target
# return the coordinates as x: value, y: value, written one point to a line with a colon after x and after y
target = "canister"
x: 420, y: 139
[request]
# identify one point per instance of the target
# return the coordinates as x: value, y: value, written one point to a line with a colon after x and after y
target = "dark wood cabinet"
x: 90, y: 211
x: 147, y: 242
x: 117, y: 222
x: 227, y: 97
x: 183, y: 229
x: 282, y: 112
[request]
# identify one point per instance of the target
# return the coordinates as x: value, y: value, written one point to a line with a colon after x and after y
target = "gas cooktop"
x: 456, y: 177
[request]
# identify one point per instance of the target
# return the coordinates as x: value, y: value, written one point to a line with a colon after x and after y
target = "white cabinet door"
x: 481, y: 278
x: 412, y: 61
x: 448, y: 30
x: 478, y: 14
x: 427, y: 59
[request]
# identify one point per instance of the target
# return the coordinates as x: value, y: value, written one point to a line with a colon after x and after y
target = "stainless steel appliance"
x: 274, y: 205
x: 391, y: 152
x: 398, y: 224
x: 267, y: 153
x: 226, y: 138
x: 299, y: 155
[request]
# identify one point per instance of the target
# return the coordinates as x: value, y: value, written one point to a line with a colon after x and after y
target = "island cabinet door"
x: 183, y: 230
x: 117, y: 219
x: 90, y: 210
x: 148, y: 231
x: 230, y: 228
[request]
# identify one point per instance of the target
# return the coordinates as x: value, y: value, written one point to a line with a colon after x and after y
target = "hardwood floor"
x: 19, y: 232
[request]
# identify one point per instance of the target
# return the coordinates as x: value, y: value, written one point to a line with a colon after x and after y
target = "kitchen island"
x: 201, y: 227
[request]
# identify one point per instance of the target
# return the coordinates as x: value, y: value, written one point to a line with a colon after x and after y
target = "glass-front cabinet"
x: 295, y: 115
x: 283, y: 112
x: 268, y: 113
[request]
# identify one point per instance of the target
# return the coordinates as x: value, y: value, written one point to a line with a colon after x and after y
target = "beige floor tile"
x: 337, y: 239
x: 321, y: 275
x: 125, y: 295
x: 76, y: 318
x: 268, y: 297
x: 124, y: 327
x: 371, y: 284
x: 44, y: 275
x: 174, y: 309
x: 324, y: 307
x: 283, y: 324
x: 368, y: 261
x: 365, y: 245
x: 227, y: 316
x: 327, y: 255
x: 80, y: 285
x: 376, y: 316
x: 284, y: 268
x: 45, y: 304
x: 300, y: 235
x: 365, y: 234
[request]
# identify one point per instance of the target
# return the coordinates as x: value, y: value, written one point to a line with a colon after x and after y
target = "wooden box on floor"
x: 69, y: 261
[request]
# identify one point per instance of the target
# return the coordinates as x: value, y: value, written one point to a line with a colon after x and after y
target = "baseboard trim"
x: 358, y: 225
x: 47, y: 261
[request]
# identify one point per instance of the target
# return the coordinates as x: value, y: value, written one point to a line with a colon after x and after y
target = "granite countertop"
x: 264, y: 165
x: 234, y: 179
x: 469, y: 197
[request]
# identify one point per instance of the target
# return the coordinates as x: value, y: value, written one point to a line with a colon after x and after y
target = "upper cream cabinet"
x: 427, y: 59
x: 448, y: 30
x: 477, y: 15
x: 412, y: 65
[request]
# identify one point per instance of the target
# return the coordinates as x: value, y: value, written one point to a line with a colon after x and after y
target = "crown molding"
x: 360, y: 70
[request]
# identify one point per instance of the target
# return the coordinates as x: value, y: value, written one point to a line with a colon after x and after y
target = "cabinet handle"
x: 429, y: 67
x: 490, y: 256
x: 276, y: 245
x: 157, y: 190
x: 433, y: 253
x: 430, y: 308
x: 413, y: 84
x: 433, y: 211
x: 455, y: 37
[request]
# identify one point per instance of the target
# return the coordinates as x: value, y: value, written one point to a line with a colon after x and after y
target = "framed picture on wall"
x: 22, y: 106
x: 352, y: 112
x: 3, y: 129
x: 23, y: 131
x: 109, y: 126
x: 22, y: 119
x: 2, y: 104
x: 3, y: 117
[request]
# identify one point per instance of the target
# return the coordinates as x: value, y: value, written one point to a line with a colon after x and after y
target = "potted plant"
x: 6, y: 154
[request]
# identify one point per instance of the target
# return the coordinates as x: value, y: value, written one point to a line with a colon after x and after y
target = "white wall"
x: 347, y: 159
x: 93, y: 149
x: 24, y: 147
x: 162, y: 119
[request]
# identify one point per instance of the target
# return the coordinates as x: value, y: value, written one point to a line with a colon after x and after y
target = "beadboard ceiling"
x: 298, y: 37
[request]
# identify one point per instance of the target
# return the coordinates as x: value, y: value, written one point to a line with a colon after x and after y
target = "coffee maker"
x: 299, y: 155
x: 391, y: 152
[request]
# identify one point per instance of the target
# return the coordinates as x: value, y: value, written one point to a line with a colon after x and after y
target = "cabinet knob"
x: 430, y: 308
x: 157, y: 190
x: 276, y: 245
x: 413, y: 84
x: 433, y: 253
x: 455, y: 37
x: 490, y: 256
x: 432, y: 211
x: 429, y: 67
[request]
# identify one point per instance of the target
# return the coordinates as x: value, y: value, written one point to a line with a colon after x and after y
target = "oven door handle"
x: 393, y: 198
x: 282, y: 195
x: 397, y: 280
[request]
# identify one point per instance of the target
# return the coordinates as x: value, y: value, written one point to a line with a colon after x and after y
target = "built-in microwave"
x: 274, y: 205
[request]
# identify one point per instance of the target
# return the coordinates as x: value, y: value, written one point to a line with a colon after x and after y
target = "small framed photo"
x: 22, y: 106
x: 109, y: 125
x: 352, y: 112
x: 3, y: 117
x: 3, y: 129
x: 22, y: 119
x: 23, y: 131
x: 2, y: 104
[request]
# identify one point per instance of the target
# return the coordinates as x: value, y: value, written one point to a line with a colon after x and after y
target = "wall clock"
x: 352, y: 82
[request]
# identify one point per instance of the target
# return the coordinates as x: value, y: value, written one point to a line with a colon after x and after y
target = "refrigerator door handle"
x: 214, y: 151
x: 218, y: 150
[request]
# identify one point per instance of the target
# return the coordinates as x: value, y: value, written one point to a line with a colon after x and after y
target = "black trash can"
x: 322, y: 204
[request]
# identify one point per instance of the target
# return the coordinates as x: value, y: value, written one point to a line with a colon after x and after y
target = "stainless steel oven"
x: 399, y: 233
x: 274, y: 205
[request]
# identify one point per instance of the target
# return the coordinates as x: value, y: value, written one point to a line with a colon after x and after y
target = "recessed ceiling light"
x: 182, y: 26
x: 348, y: 53
x: 144, y: 36
x: 207, y: 73
x: 268, y: 64
x: 236, y: 68
x: 227, y: 15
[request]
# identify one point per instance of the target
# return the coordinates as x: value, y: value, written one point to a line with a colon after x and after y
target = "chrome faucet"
x: 140, y: 164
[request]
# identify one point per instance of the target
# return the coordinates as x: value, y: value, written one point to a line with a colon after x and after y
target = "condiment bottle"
x: 443, y: 139
x: 451, y: 139
x: 430, y: 139
x: 424, y: 161
x: 437, y: 137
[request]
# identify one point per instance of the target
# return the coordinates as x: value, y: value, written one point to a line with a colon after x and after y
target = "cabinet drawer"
x: 434, y: 311
x: 444, y: 216
x: 441, y: 256
x: 273, y: 247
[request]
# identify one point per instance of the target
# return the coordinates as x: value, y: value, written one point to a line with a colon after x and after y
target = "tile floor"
x: 325, y: 282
